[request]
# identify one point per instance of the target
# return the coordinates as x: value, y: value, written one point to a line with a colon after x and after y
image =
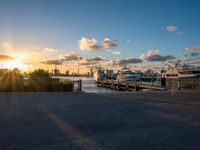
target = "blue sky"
x: 135, y: 25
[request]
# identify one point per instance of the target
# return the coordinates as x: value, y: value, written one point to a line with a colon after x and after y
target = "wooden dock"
x: 133, y: 86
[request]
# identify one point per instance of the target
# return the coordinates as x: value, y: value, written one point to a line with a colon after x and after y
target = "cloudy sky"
x: 108, y: 32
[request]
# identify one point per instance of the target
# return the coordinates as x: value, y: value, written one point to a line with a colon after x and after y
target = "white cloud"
x: 50, y: 49
x: 73, y: 57
x: 149, y: 54
x: 171, y: 28
x: 116, y: 53
x: 96, y: 58
x: 108, y: 44
x: 143, y: 56
x: 154, y: 56
x: 153, y: 52
x: 86, y: 44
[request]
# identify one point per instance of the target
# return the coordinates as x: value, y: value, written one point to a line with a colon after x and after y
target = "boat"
x: 150, y: 75
x: 171, y: 73
x: 189, y: 71
x: 181, y: 71
x: 126, y: 75
x: 99, y: 75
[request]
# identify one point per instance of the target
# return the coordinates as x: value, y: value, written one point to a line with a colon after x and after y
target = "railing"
x: 77, y: 85
x: 125, y: 85
x: 189, y: 83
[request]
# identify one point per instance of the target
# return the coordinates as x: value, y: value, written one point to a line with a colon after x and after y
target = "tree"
x: 39, y: 80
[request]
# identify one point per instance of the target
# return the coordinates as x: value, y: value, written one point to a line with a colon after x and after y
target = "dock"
x: 129, y: 86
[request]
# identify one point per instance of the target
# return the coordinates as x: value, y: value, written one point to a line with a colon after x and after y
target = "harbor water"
x: 88, y: 84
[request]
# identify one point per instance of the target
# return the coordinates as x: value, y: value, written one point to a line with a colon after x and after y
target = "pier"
x: 129, y: 86
x: 182, y: 83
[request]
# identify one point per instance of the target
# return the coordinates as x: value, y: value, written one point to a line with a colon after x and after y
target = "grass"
x: 38, y: 81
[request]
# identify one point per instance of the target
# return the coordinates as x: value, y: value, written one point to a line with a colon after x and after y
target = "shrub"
x: 58, y: 86
x: 12, y: 81
x: 39, y: 80
x: 68, y: 85
x: 55, y: 86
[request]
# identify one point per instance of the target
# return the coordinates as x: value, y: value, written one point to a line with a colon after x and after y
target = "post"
x: 80, y: 85
x: 151, y: 81
x: 163, y: 81
x: 178, y: 84
x: 106, y: 82
x: 126, y: 85
x: 135, y: 82
x: 118, y: 84
x: 97, y: 82
x: 111, y: 83
x: 137, y: 88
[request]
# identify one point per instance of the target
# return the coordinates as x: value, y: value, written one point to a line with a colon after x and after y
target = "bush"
x: 68, y: 85
x: 55, y: 85
x: 58, y: 86
x: 12, y: 81
x: 39, y: 80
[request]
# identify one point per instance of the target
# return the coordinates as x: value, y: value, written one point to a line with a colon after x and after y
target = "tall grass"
x: 38, y: 81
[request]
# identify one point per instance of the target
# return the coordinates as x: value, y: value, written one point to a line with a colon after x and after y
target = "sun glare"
x: 15, y: 64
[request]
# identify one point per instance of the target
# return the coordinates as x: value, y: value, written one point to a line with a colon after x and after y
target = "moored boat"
x: 181, y: 71
x: 127, y: 75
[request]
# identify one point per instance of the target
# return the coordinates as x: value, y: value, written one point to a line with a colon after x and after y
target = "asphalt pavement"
x: 83, y: 121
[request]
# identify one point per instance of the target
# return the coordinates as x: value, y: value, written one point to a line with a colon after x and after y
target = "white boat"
x: 171, y: 73
x: 150, y: 75
x: 127, y: 75
x: 181, y: 71
x: 187, y: 71
x: 99, y: 75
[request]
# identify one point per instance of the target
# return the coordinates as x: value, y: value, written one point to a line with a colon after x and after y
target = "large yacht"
x: 127, y: 75
x: 181, y: 71
x: 186, y: 71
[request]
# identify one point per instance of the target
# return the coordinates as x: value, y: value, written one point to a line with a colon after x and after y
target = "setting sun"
x: 15, y: 64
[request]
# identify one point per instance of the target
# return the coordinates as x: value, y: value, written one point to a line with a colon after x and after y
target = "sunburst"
x: 15, y: 64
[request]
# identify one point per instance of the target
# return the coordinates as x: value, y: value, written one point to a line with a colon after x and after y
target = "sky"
x: 138, y: 33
